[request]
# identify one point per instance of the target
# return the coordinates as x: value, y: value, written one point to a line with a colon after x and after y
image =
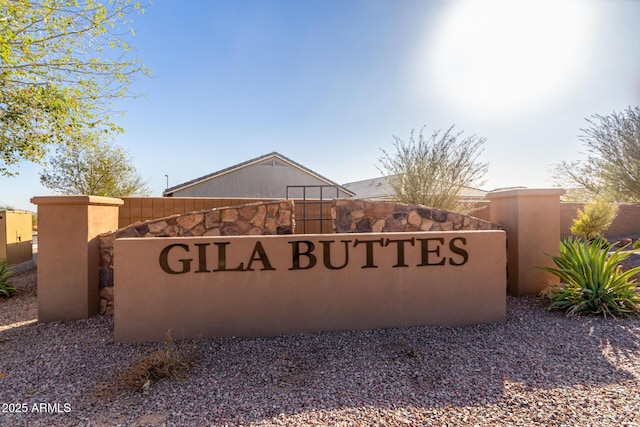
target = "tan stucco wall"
x: 262, y: 218
x: 285, y: 300
x: 532, y: 218
x: 68, y: 262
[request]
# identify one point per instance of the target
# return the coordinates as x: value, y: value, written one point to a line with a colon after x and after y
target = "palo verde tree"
x: 612, y: 166
x: 97, y: 169
x: 433, y: 171
x: 62, y: 63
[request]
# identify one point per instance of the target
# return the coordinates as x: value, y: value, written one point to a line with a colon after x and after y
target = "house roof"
x: 378, y: 188
x: 250, y: 162
x: 375, y: 188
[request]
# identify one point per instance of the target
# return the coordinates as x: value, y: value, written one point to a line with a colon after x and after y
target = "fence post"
x: 532, y: 218
x: 68, y: 264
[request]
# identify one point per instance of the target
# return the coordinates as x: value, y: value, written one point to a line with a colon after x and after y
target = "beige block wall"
x: 366, y: 290
x: 481, y: 209
x: 137, y: 209
x: 627, y: 222
x: 3, y: 235
x: 15, y: 236
x: 140, y: 209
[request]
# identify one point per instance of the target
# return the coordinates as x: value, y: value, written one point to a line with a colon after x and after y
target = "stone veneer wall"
x: 368, y: 216
x: 262, y: 218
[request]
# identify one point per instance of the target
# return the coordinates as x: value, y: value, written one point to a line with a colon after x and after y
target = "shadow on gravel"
x: 425, y: 367
x: 246, y: 380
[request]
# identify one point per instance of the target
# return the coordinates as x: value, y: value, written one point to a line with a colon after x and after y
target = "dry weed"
x: 551, y: 289
x: 169, y: 361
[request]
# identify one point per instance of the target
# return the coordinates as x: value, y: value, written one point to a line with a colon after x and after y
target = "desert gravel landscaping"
x: 539, y: 368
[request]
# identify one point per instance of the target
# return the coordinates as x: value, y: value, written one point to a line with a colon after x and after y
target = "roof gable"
x: 380, y: 187
x: 272, y: 159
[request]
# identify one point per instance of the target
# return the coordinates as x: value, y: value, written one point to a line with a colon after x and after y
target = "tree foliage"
x: 434, y: 171
x: 62, y: 63
x: 594, y: 218
x: 612, y: 166
x: 97, y: 169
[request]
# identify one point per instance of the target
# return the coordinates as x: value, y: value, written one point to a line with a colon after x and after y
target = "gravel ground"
x: 539, y: 368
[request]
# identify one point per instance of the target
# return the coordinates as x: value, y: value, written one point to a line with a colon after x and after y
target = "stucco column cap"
x: 77, y: 200
x: 524, y: 192
x: 15, y: 211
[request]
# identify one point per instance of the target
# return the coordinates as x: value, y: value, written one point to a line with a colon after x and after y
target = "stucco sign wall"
x: 272, y: 285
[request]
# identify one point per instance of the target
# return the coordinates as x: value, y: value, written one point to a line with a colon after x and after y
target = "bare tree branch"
x: 434, y: 171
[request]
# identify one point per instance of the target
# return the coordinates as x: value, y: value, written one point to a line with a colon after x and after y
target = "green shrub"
x: 6, y: 288
x: 594, y: 219
x: 592, y: 281
x: 636, y: 244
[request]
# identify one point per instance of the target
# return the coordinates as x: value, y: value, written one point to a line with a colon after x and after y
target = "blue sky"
x: 328, y: 83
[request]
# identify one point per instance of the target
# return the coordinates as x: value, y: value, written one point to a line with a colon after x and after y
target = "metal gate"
x: 308, y: 203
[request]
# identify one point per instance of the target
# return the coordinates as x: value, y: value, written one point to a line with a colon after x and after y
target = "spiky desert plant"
x: 6, y: 288
x: 592, y: 280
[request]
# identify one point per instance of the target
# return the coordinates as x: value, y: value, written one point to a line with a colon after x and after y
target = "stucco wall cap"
x: 76, y: 200
x: 525, y: 192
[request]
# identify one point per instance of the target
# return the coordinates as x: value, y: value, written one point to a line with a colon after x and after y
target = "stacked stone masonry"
x: 367, y: 216
x: 277, y: 217
x: 262, y: 218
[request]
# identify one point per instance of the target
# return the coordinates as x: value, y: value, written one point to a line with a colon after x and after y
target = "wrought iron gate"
x: 308, y: 200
